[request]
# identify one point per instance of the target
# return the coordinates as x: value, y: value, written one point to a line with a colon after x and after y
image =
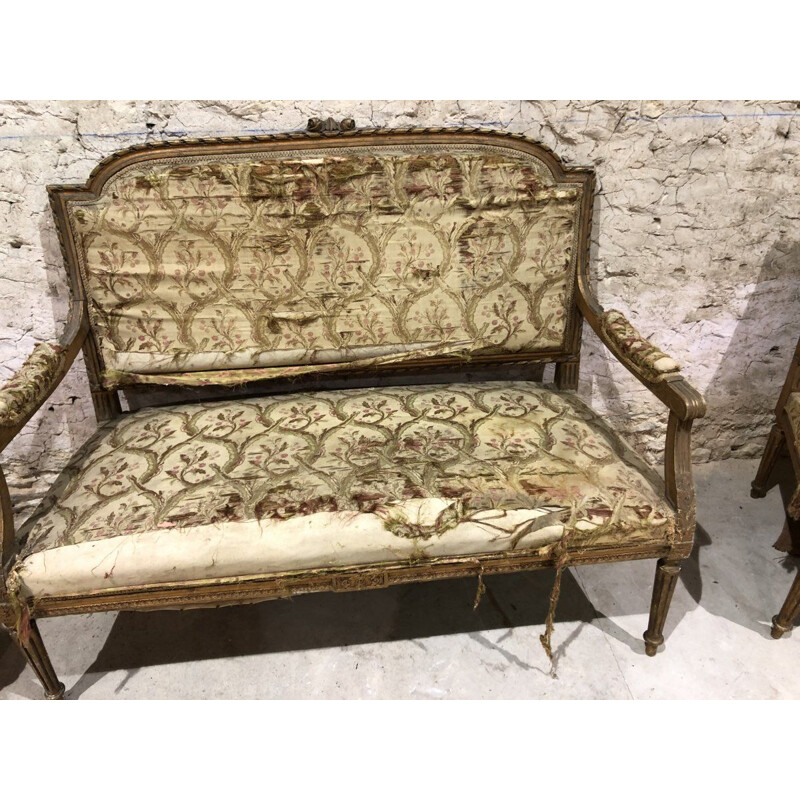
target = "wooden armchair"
x: 785, y: 434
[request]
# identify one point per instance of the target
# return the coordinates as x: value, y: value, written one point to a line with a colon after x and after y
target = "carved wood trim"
x: 330, y: 125
x: 302, y: 140
x: 229, y: 591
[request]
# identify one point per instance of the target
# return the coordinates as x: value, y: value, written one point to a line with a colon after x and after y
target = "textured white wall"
x: 696, y: 239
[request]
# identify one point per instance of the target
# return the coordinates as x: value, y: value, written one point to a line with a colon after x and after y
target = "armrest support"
x: 38, y: 377
x: 661, y: 375
x: 20, y: 398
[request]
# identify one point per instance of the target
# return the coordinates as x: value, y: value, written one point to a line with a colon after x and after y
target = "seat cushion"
x: 324, y: 479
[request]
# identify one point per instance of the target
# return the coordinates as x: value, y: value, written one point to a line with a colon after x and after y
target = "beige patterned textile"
x: 234, y: 377
x: 23, y: 393
x: 654, y: 363
x: 198, y: 264
x: 348, y: 477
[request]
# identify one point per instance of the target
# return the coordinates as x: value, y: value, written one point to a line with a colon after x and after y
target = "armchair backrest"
x: 199, y: 259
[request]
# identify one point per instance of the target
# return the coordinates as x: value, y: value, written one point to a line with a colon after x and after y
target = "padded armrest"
x: 654, y: 368
x: 643, y: 355
x: 32, y: 383
x: 42, y: 371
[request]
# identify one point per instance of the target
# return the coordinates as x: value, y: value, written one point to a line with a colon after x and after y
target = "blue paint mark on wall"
x: 754, y: 115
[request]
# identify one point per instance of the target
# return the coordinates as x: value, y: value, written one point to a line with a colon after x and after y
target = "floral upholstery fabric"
x: 233, y: 377
x: 322, y: 479
x: 654, y: 363
x: 311, y: 257
x: 22, y: 394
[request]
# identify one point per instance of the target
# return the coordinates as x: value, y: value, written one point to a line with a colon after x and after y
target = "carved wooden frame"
x: 328, y: 134
x: 684, y: 403
x: 782, y: 439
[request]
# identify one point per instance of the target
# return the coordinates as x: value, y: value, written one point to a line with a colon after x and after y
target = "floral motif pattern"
x: 497, y: 447
x: 198, y: 265
x: 24, y: 392
x: 654, y: 363
x: 235, y: 377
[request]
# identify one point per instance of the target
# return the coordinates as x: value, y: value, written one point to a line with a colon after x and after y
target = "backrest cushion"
x: 289, y: 257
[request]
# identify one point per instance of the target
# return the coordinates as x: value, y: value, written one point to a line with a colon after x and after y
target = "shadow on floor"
x: 12, y: 662
x: 417, y: 611
x: 743, y: 592
x: 690, y: 569
x: 749, y: 376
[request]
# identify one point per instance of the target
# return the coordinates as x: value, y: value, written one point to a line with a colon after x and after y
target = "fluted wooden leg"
x: 566, y: 376
x: 791, y: 608
x: 666, y: 577
x: 768, y: 459
x: 33, y: 648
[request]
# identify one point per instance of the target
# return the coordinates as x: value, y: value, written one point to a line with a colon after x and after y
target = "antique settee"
x: 785, y: 437
x: 221, y: 269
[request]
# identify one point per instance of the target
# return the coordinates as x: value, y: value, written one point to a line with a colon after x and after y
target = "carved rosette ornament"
x: 330, y: 125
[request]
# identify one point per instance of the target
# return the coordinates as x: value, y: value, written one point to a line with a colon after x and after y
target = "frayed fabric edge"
x: 560, y: 551
x: 562, y: 558
x: 481, y: 591
x: 19, y: 608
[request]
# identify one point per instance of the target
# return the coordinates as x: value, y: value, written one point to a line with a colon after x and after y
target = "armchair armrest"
x: 655, y: 369
x: 651, y: 366
x: 29, y: 386
x: 661, y: 375
x: 38, y: 377
x: 20, y: 398
x: 630, y: 346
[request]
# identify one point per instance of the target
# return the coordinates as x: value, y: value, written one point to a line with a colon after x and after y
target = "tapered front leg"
x: 666, y: 577
x: 32, y: 646
x: 768, y: 459
x: 791, y: 608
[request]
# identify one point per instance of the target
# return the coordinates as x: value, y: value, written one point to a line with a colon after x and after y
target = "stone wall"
x: 696, y: 239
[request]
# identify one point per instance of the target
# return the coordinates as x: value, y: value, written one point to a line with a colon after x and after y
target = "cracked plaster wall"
x: 696, y: 238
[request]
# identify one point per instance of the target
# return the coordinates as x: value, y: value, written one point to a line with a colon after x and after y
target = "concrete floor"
x: 425, y: 641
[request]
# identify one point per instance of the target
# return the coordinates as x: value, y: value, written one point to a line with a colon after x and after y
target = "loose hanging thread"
x: 481, y: 589
x: 546, y: 637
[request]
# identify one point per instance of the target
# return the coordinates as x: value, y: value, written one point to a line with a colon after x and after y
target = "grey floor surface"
x: 425, y: 641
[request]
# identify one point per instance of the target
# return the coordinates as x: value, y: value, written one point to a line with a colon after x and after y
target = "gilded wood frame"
x: 782, y: 438
x: 684, y: 403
